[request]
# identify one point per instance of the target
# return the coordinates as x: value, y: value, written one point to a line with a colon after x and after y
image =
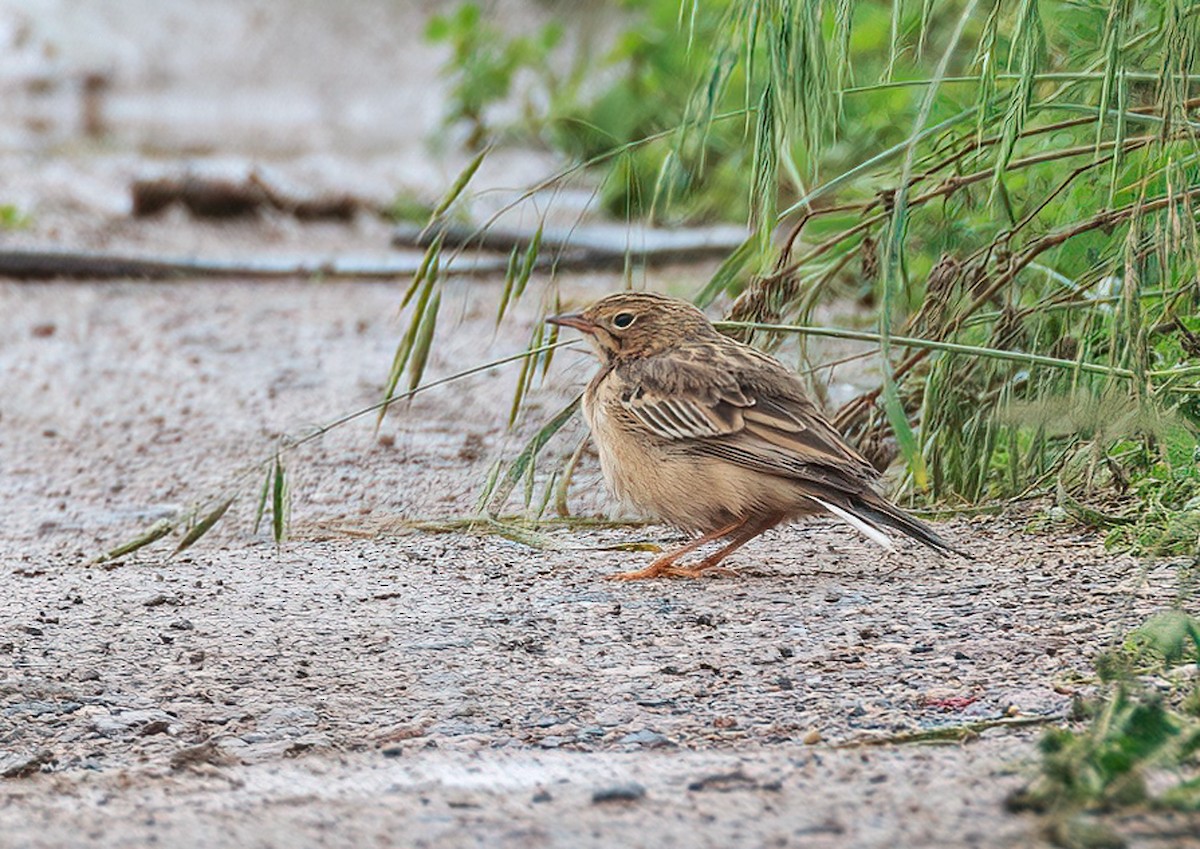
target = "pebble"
x: 20, y: 766
x: 647, y: 739
x: 127, y: 721
x: 630, y: 791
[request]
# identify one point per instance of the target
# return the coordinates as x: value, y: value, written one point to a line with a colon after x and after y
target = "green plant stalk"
x: 893, y: 260
x: 952, y: 348
x: 1054, y: 76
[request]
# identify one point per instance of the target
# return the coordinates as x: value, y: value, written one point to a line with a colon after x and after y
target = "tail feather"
x: 871, y: 531
x: 872, y: 516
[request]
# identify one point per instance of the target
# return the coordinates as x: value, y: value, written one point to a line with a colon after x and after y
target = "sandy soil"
x: 364, y: 685
x: 349, y: 686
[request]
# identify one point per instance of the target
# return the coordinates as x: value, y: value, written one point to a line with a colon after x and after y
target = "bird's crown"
x: 632, y: 324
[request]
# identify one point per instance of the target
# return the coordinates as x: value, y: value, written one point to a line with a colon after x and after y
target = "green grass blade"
x: 405, y: 346
x: 154, y: 533
x: 730, y: 271
x: 432, y: 257
x: 459, y: 185
x: 510, y: 279
x: 204, y: 525
x: 263, y: 495
x: 518, y: 468
x: 424, y: 341
x: 530, y: 261
x: 279, y: 501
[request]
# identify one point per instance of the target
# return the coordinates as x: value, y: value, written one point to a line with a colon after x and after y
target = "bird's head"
x: 637, y: 324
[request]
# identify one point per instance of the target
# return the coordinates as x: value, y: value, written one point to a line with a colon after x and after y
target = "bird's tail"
x: 872, y: 516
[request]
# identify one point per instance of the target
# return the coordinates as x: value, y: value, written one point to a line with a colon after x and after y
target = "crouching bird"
x: 714, y: 437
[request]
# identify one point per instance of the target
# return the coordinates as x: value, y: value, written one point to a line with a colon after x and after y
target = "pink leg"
x: 665, y: 565
x: 748, y: 532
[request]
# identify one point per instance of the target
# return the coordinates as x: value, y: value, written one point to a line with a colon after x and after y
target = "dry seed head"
x: 878, y: 446
x: 979, y: 280
x: 1007, y: 328
x: 1190, y: 342
x: 764, y: 300
x: 868, y: 257
x: 1065, y: 348
x: 939, y: 290
x: 942, y: 280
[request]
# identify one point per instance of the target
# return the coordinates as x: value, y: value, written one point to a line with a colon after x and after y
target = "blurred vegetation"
x: 1140, y: 745
x: 12, y: 218
x: 1003, y: 177
x: 1011, y: 190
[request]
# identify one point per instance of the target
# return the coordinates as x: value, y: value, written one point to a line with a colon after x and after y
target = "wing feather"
x: 724, y: 403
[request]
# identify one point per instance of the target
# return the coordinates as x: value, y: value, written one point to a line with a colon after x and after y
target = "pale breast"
x: 662, y: 479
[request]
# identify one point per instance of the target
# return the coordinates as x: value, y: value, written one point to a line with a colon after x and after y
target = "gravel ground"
x: 363, y: 684
x: 361, y: 681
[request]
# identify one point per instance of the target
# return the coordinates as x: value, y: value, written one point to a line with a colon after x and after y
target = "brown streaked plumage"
x: 712, y: 436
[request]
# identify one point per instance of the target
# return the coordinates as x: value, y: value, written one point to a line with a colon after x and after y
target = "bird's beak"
x: 573, y: 319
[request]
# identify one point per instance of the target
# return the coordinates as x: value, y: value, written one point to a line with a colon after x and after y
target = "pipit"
x: 714, y: 437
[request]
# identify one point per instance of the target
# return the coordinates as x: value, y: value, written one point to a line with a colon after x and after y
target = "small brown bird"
x: 714, y: 437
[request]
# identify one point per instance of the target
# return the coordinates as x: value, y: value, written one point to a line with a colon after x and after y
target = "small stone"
x: 128, y: 722
x: 284, y: 717
x: 647, y: 739
x: 811, y: 738
x: 35, y: 708
x: 630, y: 791
x: 21, y: 766
x: 542, y: 796
x: 157, y: 726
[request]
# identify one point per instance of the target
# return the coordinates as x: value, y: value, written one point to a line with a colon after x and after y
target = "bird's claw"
x: 667, y: 570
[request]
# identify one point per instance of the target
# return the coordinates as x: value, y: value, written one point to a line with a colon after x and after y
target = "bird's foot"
x: 670, y: 570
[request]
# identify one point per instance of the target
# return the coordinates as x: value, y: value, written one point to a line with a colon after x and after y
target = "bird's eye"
x: 623, y: 319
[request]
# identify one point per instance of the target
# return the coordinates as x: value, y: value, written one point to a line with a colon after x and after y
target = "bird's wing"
x: 731, y: 402
x: 683, y: 397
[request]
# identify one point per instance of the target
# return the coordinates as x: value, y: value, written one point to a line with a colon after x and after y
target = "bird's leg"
x: 748, y: 531
x: 665, y: 565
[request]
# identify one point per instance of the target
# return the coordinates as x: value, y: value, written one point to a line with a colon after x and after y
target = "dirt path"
x: 429, y: 688
x: 365, y: 686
